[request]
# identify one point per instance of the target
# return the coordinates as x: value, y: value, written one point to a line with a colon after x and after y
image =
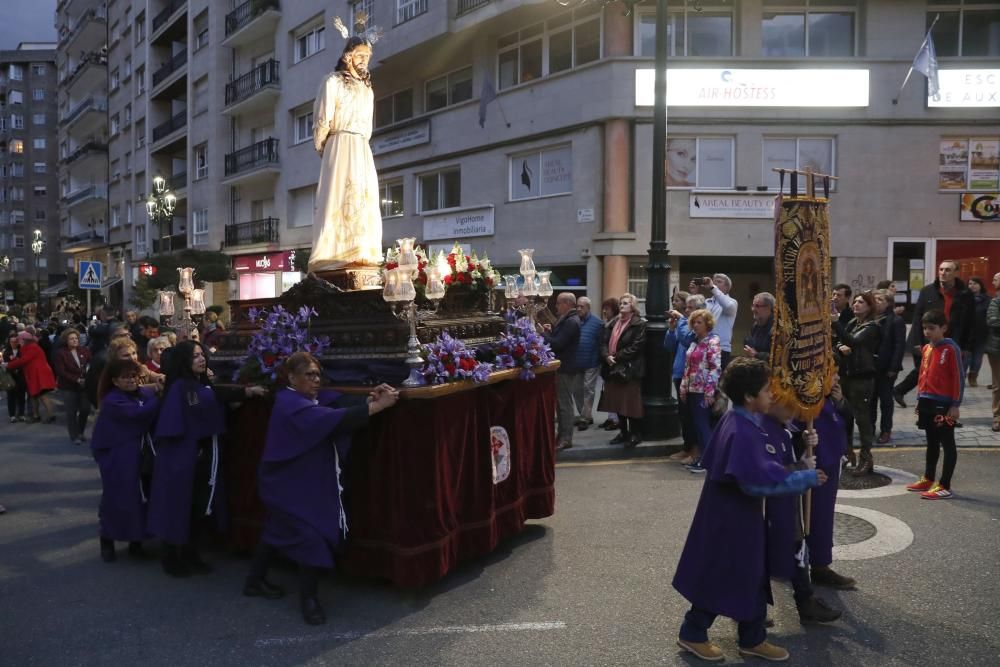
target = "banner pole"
x: 807, y: 503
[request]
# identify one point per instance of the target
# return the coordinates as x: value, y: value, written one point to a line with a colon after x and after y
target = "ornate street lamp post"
x: 37, y: 245
x: 160, y: 208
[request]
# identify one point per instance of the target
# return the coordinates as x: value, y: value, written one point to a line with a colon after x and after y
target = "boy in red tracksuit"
x: 939, y: 393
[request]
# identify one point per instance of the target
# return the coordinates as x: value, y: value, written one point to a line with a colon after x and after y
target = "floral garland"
x: 282, y: 333
x: 471, y: 270
x: 448, y: 360
x: 522, y: 347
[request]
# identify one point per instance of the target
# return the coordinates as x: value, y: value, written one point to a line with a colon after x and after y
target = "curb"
x: 616, y: 453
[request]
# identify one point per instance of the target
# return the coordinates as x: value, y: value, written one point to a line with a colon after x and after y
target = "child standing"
x: 939, y: 393
x: 723, y: 568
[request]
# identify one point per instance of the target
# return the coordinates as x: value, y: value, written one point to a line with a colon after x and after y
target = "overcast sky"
x: 26, y: 21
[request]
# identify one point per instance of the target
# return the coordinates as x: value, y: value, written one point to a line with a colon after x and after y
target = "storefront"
x: 264, y: 276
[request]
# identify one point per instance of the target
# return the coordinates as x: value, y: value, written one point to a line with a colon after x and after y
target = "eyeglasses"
x: 312, y: 375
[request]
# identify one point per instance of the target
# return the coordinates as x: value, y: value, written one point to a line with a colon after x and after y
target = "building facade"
x: 560, y: 159
x: 28, y: 166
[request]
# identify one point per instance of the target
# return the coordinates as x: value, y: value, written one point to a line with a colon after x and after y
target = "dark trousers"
x: 16, y: 400
x: 726, y: 357
x: 630, y: 425
x: 802, y: 588
x: 701, y: 419
x: 698, y: 621
x: 859, y: 393
x: 939, y: 437
x: 265, y: 554
x: 883, y: 403
x: 77, y: 411
x: 909, y: 383
x: 564, y: 403
x: 687, y: 428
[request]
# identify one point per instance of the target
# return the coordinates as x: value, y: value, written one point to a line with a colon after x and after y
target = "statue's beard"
x: 362, y: 71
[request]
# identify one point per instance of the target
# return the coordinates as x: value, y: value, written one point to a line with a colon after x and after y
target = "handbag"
x: 7, y: 381
x: 720, y: 404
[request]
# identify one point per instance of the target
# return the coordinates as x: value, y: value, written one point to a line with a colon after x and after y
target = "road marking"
x: 891, y: 535
x: 900, y: 478
x: 354, y: 635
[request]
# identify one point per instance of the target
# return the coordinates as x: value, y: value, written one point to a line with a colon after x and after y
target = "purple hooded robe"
x: 124, y: 421
x: 190, y: 412
x: 299, y: 478
x: 723, y: 568
x: 829, y: 427
x: 781, y: 512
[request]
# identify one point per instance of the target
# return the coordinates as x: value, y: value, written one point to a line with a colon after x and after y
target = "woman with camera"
x: 622, y: 350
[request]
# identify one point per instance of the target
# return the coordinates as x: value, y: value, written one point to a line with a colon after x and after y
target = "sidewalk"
x: 976, y: 417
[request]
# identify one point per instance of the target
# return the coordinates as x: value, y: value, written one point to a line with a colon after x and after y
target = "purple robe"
x: 190, y: 412
x: 123, y: 421
x: 829, y: 427
x: 723, y: 568
x: 299, y: 478
x: 781, y: 512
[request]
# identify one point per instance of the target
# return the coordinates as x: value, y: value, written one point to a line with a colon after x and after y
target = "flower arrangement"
x: 455, y: 268
x: 282, y: 332
x: 448, y: 360
x: 522, y: 347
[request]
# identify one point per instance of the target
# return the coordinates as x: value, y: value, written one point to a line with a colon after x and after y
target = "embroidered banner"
x: 801, y: 348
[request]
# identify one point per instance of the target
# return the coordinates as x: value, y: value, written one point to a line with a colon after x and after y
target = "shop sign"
x: 459, y: 224
x: 706, y: 205
x: 147, y: 270
x: 757, y: 87
x: 414, y: 135
x: 967, y: 88
x: 980, y: 207
x: 268, y: 263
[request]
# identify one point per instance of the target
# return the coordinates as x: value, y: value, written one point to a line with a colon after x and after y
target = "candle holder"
x: 197, y: 305
x: 165, y: 303
x: 185, y: 285
x: 401, y: 295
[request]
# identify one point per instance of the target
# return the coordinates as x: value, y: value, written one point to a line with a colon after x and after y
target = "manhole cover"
x: 870, y: 481
x: 849, y: 529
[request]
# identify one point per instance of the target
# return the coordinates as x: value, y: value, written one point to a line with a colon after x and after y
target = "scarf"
x: 616, y: 334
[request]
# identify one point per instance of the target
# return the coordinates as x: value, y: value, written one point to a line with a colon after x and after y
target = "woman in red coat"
x: 37, y: 374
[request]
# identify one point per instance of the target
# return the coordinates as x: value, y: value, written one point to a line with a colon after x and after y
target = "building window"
x: 114, y: 125
x: 301, y: 206
x: 449, y: 89
x: 408, y: 9
x: 969, y: 30
x: 637, y: 282
x: 16, y: 146
x: 392, y: 198
x: 17, y: 169
x: 568, y: 40
x: 115, y: 79
x: 797, y: 153
x: 140, y: 80
x: 140, y: 133
x: 37, y: 94
x: 38, y: 119
x: 128, y: 162
x: 823, y: 29
x: 700, y: 162
x: 200, y: 161
x: 140, y: 27
x: 16, y: 97
x: 38, y: 143
x: 116, y: 32
x: 16, y: 73
x: 201, y: 95
x: 18, y: 264
x: 394, y: 108
x: 541, y: 173
x: 128, y: 212
x: 140, y: 239
x: 440, y: 189
x: 201, y: 31
x: 40, y: 214
x: 199, y: 227
x: 127, y: 115
x: 303, y: 126
x: 127, y: 68
x: 39, y: 168
x: 39, y: 69
x: 17, y: 241
x: 362, y: 9
x: 116, y: 216
x: 309, y: 42
x: 17, y: 121
x: 17, y: 193
x: 16, y: 217
x: 969, y: 164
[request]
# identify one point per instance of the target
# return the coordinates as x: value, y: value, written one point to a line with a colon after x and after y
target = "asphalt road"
x: 589, y: 586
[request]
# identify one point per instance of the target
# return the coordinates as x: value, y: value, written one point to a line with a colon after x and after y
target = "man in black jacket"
x: 757, y: 343
x: 951, y: 296
x: 564, y: 337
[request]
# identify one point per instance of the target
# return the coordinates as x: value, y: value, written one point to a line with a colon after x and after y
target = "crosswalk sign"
x: 90, y: 275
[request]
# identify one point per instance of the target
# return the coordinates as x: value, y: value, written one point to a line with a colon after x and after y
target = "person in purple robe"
x: 308, y: 440
x: 831, y: 446
x: 723, y: 568
x: 120, y: 441
x: 187, y: 483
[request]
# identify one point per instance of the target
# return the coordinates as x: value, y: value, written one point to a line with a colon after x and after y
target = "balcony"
x: 91, y: 73
x: 164, y: 130
x: 466, y: 6
x: 176, y: 62
x: 88, y: 240
x: 178, y: 182
x: 89, y: 149
x: 255, y: 90
x: 252, y: 163
x: 163, y: 17
x: 91, y: 29
x: 253, y: 232
x: 87, y: 197
x: 170, y: 243
x: 87, y: 116
x: 252, y: 21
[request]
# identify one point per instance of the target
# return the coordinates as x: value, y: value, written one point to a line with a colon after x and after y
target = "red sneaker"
x: 922, y: 484
x: 937, y: 492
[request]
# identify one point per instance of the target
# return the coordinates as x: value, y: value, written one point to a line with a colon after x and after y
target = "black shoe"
x: 619, y: 439
x: 609, y: 425
x: 824, y: 576
x: 816, y: 610
x: 632, y: 442
x: 108, y: 550
x: 262, y: 588
x: 896, y: 396
x: 312, y: 611
x: 174, y: 565
x: 136, y: 551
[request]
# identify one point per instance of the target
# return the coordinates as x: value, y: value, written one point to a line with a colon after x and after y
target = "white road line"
x: 891, y: 536
x: 353, y: 635
x: 900, y: 478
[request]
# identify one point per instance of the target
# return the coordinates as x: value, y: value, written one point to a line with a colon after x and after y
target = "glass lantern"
x: 544, y: 284
x: 165, y: 299
x: 527, y: 262
x: 435, y: 284
x: 198, y: 301
x: 186, y: 282
x: 390, y: 291
x: 407, y: 292
x: 530, y: 286
x: 510, y: 286
x: 407, y: 258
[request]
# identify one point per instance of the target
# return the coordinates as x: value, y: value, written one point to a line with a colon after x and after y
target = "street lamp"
x: 160, y: 207
x: 37, y: 245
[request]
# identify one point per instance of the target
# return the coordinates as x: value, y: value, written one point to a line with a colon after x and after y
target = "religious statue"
x: 347, y: 227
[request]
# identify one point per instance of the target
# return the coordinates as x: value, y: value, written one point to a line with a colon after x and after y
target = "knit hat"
x: 24, y: 337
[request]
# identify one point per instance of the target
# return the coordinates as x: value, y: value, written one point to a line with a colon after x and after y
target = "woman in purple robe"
x: 308, y: 438
x: 121, y: 434
x: 186, y: 483
x: 723, y: 567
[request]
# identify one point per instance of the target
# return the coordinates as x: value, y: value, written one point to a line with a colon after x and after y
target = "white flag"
x: 926, y: 63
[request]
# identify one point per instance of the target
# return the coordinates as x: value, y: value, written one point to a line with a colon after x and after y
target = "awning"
x: 55, y: 290
x: 110, y: 282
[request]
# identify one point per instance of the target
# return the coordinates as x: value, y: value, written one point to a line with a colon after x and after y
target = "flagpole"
x: 895, y: 100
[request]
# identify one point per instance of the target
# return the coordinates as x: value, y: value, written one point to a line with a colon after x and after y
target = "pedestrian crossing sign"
x: 90, y: 275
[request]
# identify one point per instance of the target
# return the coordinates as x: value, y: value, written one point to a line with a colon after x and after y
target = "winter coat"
x: 959, y: 319
x: 630, y: 359
x: 68, y: 372
x: 37, y: 372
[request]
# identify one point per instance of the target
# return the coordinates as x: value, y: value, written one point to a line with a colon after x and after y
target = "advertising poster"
x: 953, y: 163
x: 985, y: 164
x: 682, y: 163
x: 980, y: 207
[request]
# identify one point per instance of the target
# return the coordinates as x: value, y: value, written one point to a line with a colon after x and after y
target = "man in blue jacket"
x: 564, y: 338
x: 588, y: 362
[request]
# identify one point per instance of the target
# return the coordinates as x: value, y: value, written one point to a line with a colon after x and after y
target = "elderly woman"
x: 16, y: 395
x: 857, y: 346
x: 154, y: 350
x: 699, y: 384
x: 623, y: 352
x: 308, y: 438
x: 70, y: 362
x: 121, y: 434
x: 37, y: 375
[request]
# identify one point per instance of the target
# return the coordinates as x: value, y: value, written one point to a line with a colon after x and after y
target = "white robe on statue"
x: 347, y: 225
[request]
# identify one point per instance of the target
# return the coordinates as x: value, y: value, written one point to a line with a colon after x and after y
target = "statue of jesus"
x: 347, y: 226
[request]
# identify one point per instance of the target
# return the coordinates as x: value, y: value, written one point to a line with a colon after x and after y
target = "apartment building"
x: 28, y: 164
x: 561, y: 161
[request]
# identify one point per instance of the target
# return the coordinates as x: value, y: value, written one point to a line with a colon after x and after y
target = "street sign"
x: 90, y: 275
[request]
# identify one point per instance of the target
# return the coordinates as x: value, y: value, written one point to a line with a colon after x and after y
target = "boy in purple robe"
x: 186, y: 483
x: 120, y: 439
x: 308, y: 438
x: 723, y: 568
